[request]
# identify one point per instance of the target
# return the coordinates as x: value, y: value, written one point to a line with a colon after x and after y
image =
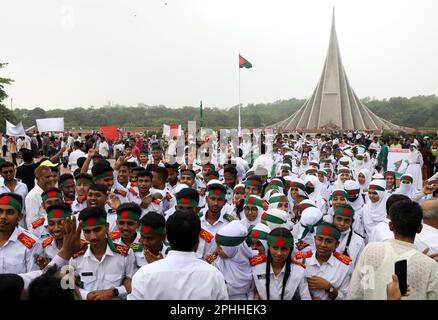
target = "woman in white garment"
x: 344, y: 174
x: 326, y: 189
x: 364, y: 180
x: 279, y: 277
x: 406, y: 187
x: 356, y: 201
x: 374, y: 211
x: 252, y: 209
x: 390, y: 181
x: 233, y: 259
x: 313, y: 189
x: 415, y: 160
x: 310, y: 217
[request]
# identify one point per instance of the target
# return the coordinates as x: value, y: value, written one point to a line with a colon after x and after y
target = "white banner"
x: 50, y: 124
x: 15, y: 131
x: 397, y: 161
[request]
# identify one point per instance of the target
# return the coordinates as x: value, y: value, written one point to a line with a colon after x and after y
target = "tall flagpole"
x: 238, y: 125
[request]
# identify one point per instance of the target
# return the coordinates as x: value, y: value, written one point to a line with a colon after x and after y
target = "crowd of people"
x: 307, y: 218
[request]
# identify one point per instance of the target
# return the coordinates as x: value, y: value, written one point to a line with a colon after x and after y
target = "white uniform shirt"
x: 381, y: 232
x: 33, y: 204
x: 334, y: 271
x: 49, y: 251
x: 180, y: 276
x: 15, y: 257
x: 20, y: 189
x: 73, y: 157
x: 296, y: 283
x: 107, y: 273
x: 355, y: 246
x: 427, y: 238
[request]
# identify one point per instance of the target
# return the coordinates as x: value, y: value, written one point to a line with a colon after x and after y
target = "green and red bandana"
x: 253, y: 200
x: 328, y: 230
x: 58, y: 214
x: 216, y: 192
x: 258, y: 234
x: 128, y: 215
x: 406, y: 179
x: 94, y: 222
x: 271, y: 218
x: 303, y: 206
x: 353, y: 193
x: 51, y: 194
x: 208, y: 166
x: 228, y: 174
x: 171, y: 170
x: 253, y: 183
x: 344, y: 170
x: 375, y: 187
x: 278, y: 198
x: 339, y: 193
x: 67, y: 182
x: 299, y: 199
x: 285, y: 167
x: 323, y: 172
x: 189, y: 201
x: 389, y: 173
x: 298, y: 185
x: 344, y: 211
x: 11, y: 201
x: 344, y: 163
x: 188, y: 173
x: 211, y: 177
x: 277, y: 182
x: 271, y: 187
x: 239, y: 189
x: 280, y: 242
x: 86, y: 181
x: 104, y: 175
x: 327, y: 161
x: 145, y: 229
x: 227, y: 241
x: 311, y: 171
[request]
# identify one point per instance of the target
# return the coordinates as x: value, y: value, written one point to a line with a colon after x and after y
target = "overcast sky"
x: 176, y: 52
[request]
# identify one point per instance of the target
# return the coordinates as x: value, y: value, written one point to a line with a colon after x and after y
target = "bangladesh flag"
x: 243, y: 63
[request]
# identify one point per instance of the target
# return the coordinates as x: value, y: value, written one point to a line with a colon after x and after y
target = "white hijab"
x: 367, y: 175
x: 236, y: 269
x: 309, y: 218
x: 374, y: 213
x: 406, y: 189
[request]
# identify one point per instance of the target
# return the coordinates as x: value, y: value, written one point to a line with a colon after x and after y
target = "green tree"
x: 5, y: 113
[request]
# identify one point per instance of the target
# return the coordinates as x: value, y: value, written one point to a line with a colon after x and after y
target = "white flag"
x: 50, y: 124
x: 15, y: 131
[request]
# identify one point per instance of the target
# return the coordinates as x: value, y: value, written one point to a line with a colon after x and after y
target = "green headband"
x: 260, y: 235
x: 389, y: 173
x: 216, y: 192
x: 229, y: 241
x: 280, y: 242
x: 311, y: 171
x: 339, y: 193
x: 93, y: 222
x: 58, y: 214
x: 269, y: 217
x: 254, y: 201
x: 67, y: 182
x: 353, y: 193
x: 192, y: 202
x: 323, y: 172
x: 105, y: 174
x: 375, y: 187
x: 83, y: 180
x: 228, y: 174
x: 187, y: 173
x: 345, y: 171
x: 278, y: 199
x: 239, y: 189
x: 406, y: 179
x: 328, y: 230
x: 277, y: 183
x: 344, y: 211
x: 128, y: 215
x: 253, y: 183
x: 153, y: 231
x: 51, y: 194
x: 303, y: 206
x: 297, y: 185
x: 344, y: 163
x: 11, y: 201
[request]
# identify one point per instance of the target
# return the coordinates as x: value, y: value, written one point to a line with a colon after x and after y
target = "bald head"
x: 430, y: 209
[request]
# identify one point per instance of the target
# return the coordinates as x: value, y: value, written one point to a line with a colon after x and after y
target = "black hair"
x: 27, y: 155
x: 80, y: 161
x: 183, y: 228
x: 144, y: 174
x: 137, y: 169
x: 188, y: 193
x: 100, y: 167
x: 131, y: 206
x: 162, y: 172
x: 99, y: 187
x: 47, y: 287
x: 393, y: 199
x: 215, y: 186
x: 6, y: 164
x: 406, y: 216
x: 11, y: 286
x: 150, y: 167
x: 285, y: 233
x: 154, y: 220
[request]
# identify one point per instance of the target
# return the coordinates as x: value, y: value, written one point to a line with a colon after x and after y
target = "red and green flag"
x: 243, y: 63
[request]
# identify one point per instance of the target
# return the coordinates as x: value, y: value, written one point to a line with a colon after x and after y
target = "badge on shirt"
x: 261, y: 276
x: 86, y: 274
